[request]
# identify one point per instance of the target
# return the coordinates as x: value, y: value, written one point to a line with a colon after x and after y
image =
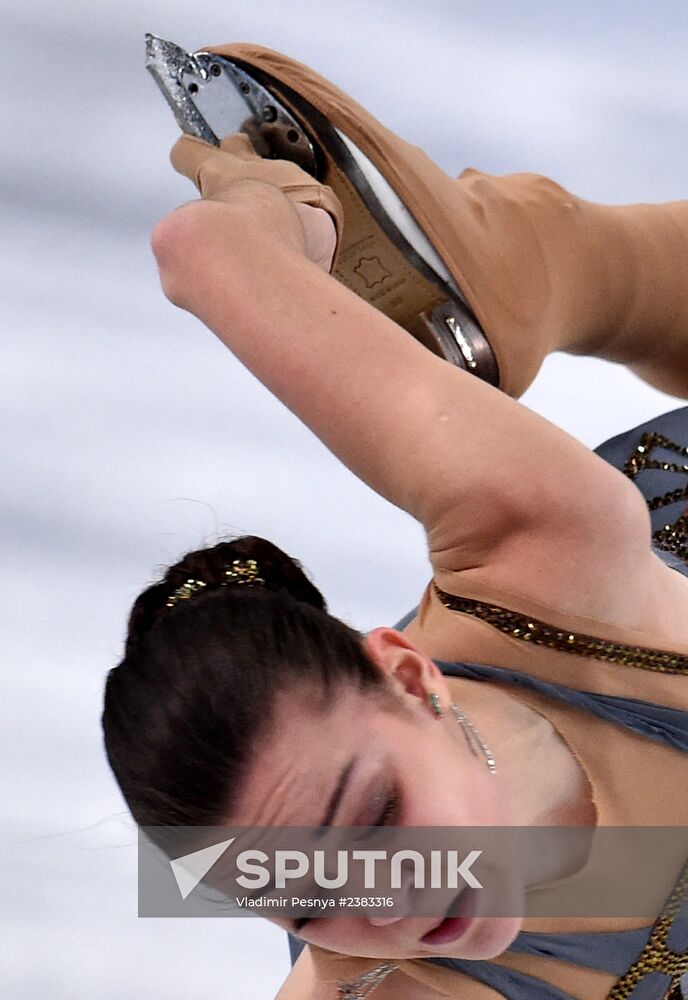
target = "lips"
x: 454, y: 927
x: 450, y: 929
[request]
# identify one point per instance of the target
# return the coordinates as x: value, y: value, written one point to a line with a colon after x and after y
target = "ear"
x: 406, y: 668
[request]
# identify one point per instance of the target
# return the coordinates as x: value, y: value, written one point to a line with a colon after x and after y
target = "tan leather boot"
x: 513, y: 267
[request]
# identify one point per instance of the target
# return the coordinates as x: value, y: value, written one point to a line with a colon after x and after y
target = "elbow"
x: 190, y: 243
x: 173, y: 242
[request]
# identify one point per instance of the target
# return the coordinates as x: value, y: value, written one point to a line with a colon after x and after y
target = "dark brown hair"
x: 185, y: 707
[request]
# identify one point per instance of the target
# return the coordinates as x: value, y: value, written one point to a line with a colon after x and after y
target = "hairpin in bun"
x: 239, y: 572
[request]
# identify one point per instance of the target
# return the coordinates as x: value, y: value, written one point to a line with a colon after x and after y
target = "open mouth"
x: 459, y: 918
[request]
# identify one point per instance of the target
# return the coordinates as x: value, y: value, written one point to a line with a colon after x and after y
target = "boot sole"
x: 375, y: 260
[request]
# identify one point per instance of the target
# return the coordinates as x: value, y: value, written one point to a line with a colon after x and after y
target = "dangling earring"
x: 473, y: 737
x: 434, y: 700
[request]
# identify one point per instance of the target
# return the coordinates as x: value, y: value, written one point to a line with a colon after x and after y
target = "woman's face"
x: 371, y: 763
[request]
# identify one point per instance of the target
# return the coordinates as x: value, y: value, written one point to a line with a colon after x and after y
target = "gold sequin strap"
x: 656, y: 956
x: 669, y: 537
x: 539, y: 633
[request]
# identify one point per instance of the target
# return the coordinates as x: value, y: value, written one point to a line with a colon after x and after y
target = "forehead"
x: 298, y: 761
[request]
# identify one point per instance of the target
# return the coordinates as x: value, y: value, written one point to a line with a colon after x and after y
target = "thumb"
x: 188, y: 156
x: 213, y: 168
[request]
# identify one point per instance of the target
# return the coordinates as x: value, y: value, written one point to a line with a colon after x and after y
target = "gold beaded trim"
x: 640, y: 459
x: 674, y: 538
x: 539, y: 633
x: 670, y: 537
x: 656, y: 956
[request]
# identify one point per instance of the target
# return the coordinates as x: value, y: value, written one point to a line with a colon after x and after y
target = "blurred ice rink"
x: 130, y: 434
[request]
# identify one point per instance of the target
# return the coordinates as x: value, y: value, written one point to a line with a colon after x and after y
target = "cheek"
x: 444, y: 785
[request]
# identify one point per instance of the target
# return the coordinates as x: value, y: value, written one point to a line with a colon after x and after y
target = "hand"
x: 235, y: 171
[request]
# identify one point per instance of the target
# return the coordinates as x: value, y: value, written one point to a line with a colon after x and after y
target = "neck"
x: 541, y: 778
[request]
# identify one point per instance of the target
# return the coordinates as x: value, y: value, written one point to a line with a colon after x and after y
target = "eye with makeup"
x: 384, y: 809
x: 388, y: 816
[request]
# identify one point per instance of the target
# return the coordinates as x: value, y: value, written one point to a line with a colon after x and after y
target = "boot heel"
x: 451, y: 331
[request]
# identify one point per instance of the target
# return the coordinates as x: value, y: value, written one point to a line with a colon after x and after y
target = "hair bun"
x: 275, y: 568
x: 207, y: 568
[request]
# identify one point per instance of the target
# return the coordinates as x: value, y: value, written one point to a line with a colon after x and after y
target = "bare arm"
x: 481, y: 472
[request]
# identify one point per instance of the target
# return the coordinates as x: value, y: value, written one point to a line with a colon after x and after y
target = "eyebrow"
x: 338, y: 793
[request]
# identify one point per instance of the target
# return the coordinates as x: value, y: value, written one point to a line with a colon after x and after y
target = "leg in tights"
x: 542, y: 269
x: 547, y: 271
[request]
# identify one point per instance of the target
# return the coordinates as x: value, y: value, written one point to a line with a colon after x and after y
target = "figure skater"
x: 555, y: 626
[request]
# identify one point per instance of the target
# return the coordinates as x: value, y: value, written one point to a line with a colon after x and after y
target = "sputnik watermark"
x: 408, y: 871
x: 258, y: 870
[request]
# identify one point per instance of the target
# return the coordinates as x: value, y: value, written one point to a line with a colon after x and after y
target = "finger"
x: 239, y: 144
x: 212, y: 168
x: 190, y: 153
x: 188, y: 156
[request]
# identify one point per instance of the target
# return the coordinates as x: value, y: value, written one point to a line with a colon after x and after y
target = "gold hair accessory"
x: 243, y: 571
x: 240, y: 571
x: 184, y: 592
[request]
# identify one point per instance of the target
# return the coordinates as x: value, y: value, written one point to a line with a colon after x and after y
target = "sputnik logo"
x: 190, y: 869
x: 292, y: 865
